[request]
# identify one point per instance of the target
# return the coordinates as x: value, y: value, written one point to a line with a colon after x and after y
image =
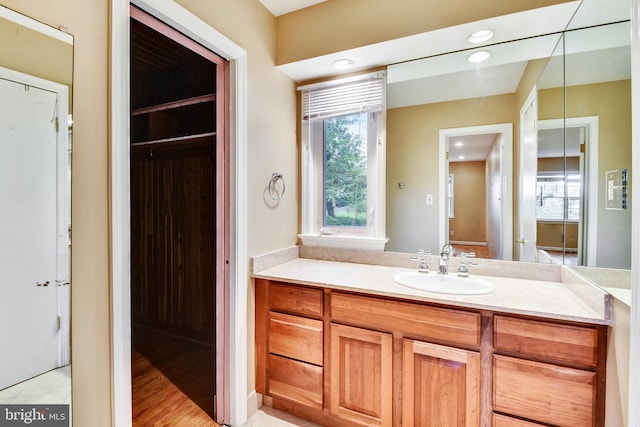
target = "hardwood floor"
x: 173, y: 380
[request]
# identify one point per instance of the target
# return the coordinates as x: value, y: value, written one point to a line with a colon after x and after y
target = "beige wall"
x: 31, y: 52
x: 617, y: 406
x: 549, y: 235
x: 611, y: 102
x: 469, y: 189
x: 88, y: 22
x: 412, y: 158
x: 558, y: 164
x: 334, y: 26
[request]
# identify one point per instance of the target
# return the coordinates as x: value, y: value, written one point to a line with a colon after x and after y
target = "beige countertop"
x: 555, y: 300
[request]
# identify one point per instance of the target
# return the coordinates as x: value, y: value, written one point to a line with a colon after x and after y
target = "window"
x: 343, y: 162
x: 550, y: 197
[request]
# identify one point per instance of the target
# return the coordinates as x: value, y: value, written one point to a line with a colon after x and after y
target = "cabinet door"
x: 361, y: 375
x: 441, y: 386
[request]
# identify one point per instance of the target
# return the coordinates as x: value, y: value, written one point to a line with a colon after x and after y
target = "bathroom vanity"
x: 341, y: 344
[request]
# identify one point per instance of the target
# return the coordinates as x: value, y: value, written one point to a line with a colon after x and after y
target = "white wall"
x: 494, y: 195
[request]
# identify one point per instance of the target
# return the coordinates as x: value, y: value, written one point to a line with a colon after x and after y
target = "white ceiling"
x: 451, y: 39
x: 474, y: 148
x: 281, y: 7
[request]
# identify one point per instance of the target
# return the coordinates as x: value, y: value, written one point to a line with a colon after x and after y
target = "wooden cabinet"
x: 545, y: 340
x: 504, y: 421
x: 295, y: 337
x: 548, y: 372
x: 290, y: 359
x: 361, y: 375
x: 544, y: 392
x: 295, y: 380
x: 421, y: 321
x: 344, y: 359
x: 441, y: 386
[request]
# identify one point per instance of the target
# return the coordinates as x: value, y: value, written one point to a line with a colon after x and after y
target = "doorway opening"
x: 488, y: 220
x: 35, y: 226
x: 568, y: 148
x: 179, y: 194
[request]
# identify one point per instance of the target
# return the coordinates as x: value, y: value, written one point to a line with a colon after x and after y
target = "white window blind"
x: 340, y: 97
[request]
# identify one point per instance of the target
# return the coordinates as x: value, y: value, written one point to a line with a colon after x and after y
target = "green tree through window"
x: 345, y: 171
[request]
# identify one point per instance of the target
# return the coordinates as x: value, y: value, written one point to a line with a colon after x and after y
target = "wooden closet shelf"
x: 178, y: 140
x: 174, y: 104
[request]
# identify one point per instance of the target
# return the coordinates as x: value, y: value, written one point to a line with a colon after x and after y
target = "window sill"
x: 371, y: 243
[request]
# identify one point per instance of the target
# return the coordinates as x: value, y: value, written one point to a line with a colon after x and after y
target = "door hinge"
x: 58, y: 323
x: 57, y: 124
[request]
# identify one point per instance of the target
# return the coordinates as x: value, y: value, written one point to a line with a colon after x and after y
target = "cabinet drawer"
x: 543, y: 392
x: 421, y: 321
x: 295, y: 337
x: 552, y: 341
x: 295, y: 380
x: 504, y: 421
x: 295, y: 299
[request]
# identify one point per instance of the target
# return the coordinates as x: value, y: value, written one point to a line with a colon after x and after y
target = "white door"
x: 526, y: 234
x: 28, y: 232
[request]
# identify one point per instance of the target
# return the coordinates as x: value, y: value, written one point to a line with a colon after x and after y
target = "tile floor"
x: 51, y: 387
x: 54, y: 387
x: 269, y: 417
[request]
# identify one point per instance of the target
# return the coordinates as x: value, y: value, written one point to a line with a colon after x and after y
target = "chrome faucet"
x: 444, y: 257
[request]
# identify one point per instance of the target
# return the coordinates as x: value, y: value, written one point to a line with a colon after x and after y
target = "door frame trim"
x: 233, y: 406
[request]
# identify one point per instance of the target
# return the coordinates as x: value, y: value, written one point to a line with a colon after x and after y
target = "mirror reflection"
x: 36, y: 63
x: 489, y: 158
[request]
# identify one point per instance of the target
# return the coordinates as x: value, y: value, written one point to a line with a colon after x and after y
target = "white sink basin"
x: 444, y: 284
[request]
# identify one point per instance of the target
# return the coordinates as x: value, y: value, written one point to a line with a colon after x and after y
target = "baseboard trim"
x: 254, y: 401
x: 461, y: 242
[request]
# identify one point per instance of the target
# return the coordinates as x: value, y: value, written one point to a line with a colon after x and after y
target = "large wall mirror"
x: 36, y: 71
x: 517, y: 153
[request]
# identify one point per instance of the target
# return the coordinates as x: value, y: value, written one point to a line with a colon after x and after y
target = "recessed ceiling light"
x: 460, y: 157
x: 343, y: 64
x: 459, y: 144
x: 480, y: 36
x: 479, y: 56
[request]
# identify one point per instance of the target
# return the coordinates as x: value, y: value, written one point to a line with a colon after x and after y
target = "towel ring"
x: 273, y: 191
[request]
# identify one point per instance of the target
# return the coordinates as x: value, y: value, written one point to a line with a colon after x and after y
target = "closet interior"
x: 174, y: 179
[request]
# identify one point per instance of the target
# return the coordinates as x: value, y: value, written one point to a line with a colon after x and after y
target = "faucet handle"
x: 463, y: 270
x: 423, y: 267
